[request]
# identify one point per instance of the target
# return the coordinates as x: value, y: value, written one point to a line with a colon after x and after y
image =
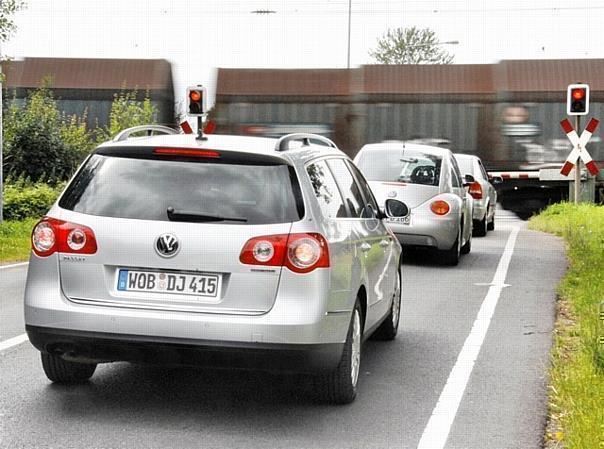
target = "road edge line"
x: 13, y: 265
x: 11, y: 342
x: 439, y: 425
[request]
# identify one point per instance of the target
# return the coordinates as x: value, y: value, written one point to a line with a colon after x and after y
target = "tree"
x: 410, y: 46
x: 7, y: 25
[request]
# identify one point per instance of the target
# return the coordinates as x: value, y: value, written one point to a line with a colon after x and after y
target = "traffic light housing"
x: 196, y: 101
x: 577, y: 99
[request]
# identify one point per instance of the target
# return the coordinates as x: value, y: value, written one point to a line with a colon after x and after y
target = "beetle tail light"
x: 440, y: 207
x: 51, y: 236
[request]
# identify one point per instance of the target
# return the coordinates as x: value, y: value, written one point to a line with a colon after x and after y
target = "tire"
x: 491, y: 225
x: 480, y: 227
x: 468, y: 246
x: 340, y: 385
x: 451, y: 256
x: 63, y: 371
x: 389, y: 327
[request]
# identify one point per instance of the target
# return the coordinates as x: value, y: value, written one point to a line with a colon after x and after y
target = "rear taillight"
x: 475, y: 190
x: 440, y: 207
x: 301, y: 253
x: 51, y: 236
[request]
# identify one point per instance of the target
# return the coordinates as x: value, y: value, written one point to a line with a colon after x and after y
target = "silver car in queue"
x: 232, y: 251
x: 427, y: 179
x: 482, y: 190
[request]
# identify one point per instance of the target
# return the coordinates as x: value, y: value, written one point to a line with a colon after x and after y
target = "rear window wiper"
x: 197, y: 217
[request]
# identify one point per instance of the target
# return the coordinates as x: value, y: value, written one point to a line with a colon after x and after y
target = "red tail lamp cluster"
x: 301, y: 253
x: 57, y: 236
x: 475, y: 190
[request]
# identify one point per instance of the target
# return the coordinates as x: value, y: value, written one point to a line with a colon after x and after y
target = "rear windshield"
x: 465, y: 165
x: 145, y: 188
x: 414, y: 167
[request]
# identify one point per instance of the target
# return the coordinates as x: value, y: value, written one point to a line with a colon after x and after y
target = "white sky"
x: 199, y: 35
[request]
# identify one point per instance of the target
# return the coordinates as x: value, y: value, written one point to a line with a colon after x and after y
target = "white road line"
x: 14, y: 265
x: 439, y: 425
x: 6, y: 344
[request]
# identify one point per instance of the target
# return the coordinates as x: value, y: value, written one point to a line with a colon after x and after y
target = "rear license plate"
x: 207, y: 285
x: 400, y: 220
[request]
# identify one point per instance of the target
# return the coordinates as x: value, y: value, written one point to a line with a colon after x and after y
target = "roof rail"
x: 283, y: 142
x: 123, y: 135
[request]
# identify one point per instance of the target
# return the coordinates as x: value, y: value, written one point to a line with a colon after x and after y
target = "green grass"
x: 14, y: 240
x: 576, y: 398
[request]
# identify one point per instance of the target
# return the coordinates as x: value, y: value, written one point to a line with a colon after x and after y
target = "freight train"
x: 507, y: 113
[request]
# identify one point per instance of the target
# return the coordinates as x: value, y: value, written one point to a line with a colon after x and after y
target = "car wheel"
x: 63, y: 371
x: 340, y: 385
x: 480, y: 227
x: 468, y: 246
x: 491, y: 225
x: 451, y: 256
x: 389, y: 327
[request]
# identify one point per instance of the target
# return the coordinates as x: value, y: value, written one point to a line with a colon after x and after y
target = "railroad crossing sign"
x: 579, y: 150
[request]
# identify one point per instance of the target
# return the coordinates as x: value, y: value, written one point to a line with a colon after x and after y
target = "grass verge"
x: 576, y: 395
x: 14, y: 240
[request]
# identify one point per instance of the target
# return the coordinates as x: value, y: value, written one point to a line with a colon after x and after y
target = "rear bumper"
x: 104, y: 347
x: 427, y: 230
x: 300, y: 319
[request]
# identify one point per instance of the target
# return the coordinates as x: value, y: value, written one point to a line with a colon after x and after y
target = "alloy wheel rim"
x: 355, y: 359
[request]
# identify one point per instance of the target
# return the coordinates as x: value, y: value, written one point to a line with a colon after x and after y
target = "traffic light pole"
x: 578, y: 165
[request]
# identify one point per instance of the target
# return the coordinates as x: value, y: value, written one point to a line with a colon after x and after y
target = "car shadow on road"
x: 422, y: 257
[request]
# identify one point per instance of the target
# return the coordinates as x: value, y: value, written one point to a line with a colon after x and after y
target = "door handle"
x: 365, y: 247
x: 384, y: 243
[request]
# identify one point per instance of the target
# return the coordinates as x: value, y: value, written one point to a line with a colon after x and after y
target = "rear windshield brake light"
x: 188, y: 152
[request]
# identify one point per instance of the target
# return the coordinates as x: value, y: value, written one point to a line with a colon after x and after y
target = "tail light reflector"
x: 440, y: 207
x: 57, y: 236
x: 301, y: 253
x: 475, y: 190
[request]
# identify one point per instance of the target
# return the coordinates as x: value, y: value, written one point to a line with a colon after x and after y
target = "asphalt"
x: 503, y: 406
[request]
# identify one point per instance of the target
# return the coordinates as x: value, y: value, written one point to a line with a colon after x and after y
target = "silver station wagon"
x: 226, y: 251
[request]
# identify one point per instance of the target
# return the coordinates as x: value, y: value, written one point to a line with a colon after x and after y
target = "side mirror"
x: 396, y: 208
x: 468, y: 179
x: 496, y: 180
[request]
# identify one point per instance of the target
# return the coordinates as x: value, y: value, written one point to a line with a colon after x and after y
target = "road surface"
x: 421, y: 390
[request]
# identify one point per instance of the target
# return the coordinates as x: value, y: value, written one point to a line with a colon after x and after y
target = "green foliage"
x: 23, y: 200
x: 577, y: 372
x: 7, y: 25
x: 15, y: 239
x: 126, y: 112
x: 410, y: 46
x: 40, y: 143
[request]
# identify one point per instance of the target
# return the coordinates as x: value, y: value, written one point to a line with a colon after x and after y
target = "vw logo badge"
x: 392, y: 194
x: 167, y: 245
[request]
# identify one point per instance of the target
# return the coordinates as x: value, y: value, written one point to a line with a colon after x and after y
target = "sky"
x: 198, y: 36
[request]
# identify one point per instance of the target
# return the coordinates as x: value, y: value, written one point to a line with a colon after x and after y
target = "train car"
x: 507, y: 113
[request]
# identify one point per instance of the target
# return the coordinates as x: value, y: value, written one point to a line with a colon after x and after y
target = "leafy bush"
x: 126, y: 112
x: 40, y: 143
x: 23, y: 200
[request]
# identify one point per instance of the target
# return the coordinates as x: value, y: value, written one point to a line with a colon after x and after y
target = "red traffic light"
x: 196, y: 101
x: 195, y: 95
x: 578, y: 94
